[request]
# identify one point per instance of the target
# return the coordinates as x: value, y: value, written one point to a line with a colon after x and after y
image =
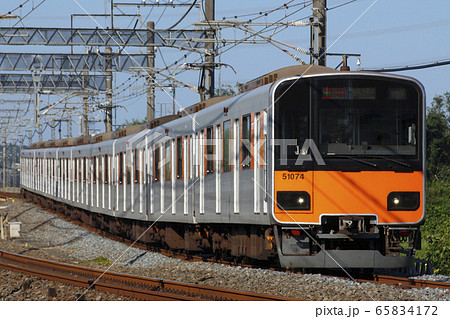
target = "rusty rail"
x: 138, y: 287
x: 400, y: 282
x: 409, y: 282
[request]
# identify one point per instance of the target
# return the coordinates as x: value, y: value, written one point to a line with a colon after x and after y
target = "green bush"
x: 436, y: 231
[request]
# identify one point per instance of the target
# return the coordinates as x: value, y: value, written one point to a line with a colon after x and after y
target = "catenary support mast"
x: 319, y: 33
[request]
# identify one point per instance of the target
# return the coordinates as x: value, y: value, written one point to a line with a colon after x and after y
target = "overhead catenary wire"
x: 183, y: 16
x: 31, y: 11
x: 411, y: 67
x: 269, y: 28
x: 264, y: 29
x: 261, y: 14
x: 341, y: 5
x: 19, y: 7
x: 288, y: 7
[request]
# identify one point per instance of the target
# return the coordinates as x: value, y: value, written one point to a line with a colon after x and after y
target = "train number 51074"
x: 293, y: 176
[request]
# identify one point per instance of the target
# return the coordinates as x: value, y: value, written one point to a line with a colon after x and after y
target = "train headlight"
x: 403, y: 201
x: 288, y: 200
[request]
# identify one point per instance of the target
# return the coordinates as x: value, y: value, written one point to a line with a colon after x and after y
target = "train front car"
x: 348, y: 164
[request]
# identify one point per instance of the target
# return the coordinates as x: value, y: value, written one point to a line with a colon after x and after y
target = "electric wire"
x: 19, y: 7
x: 270, y: 28
x: 26, y: 15
x: 184, y: 16
x: 261, y: 14
x: 341, y: 5
x: 409, y: 68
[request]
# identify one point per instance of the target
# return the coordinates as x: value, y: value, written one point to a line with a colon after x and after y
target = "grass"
x: 100, y: 261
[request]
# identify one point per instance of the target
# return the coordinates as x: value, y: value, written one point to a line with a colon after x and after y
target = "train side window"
x: 88, y: 170
x: 246, y: 142
x: 226, y: 146
x: 94, y: 170
x: 179, y: 158
x: 67, y: 169
x: 120, y: 170
x: 189, y: 156
x: 156, y: 161
x: 128, y: 166
x: 291, y: 122
x: 261, y: 139
x: 197, y: 155
x: 100, y: 169
x: 210, y: 150
x: 137, y: 171
x: 75, y: 170
x: 80, y: 170
x: 168, y: 161
x: 142, y: 168
x: 106, y: 170
x: 217, y: 150
x: 236, y: 145
x: 83, y: 170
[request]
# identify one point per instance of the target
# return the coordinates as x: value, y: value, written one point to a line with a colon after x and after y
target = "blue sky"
x: 386, y: 33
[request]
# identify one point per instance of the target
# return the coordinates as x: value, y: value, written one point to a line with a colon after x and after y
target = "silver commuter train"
x: 209, y: 190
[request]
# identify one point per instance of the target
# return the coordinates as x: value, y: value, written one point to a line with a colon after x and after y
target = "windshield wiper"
x: 393, y: 161
x: 356, y: 160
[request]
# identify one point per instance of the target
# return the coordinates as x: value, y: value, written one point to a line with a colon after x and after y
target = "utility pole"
x: 112, y: 14
x: 85, y: 116
x: 85, y: 106
x: 53, y: 131
x: 173, y: 97
x: 4, y: 159
x: 208, y: 73
x: 12, y: 152
x: 69, y: 122
x: 108, y: 83
x: 150, y: 74
x: 318, y: 37
x: 30, y: 137
x: 37, y: 83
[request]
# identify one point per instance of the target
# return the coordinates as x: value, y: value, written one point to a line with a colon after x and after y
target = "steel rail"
x: 409, y: 282
x: 399, y: 282
x: 125, y: 284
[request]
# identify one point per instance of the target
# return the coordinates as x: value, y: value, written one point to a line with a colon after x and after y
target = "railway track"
x: 403, y: 282
x: 400, y: 282
x: 138, y: 287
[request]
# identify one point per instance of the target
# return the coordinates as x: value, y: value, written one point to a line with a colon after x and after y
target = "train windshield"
x: 366, y: 117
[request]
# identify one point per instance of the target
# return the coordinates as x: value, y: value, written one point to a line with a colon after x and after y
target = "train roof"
x: 295, y: 70
x: 290, y: 71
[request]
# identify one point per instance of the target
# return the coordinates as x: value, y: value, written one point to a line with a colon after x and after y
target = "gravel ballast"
x: 46, y: 236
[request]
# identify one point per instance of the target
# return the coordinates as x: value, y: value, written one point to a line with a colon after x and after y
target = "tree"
x: 436, y: 231
x: 229, y: 90
x: 438, y: 138
x: 132, y: 122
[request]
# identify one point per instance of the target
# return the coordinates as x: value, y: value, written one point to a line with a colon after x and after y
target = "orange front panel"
x: 355, y: 193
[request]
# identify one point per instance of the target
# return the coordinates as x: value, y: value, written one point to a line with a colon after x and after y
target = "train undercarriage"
x: 340, y: 242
